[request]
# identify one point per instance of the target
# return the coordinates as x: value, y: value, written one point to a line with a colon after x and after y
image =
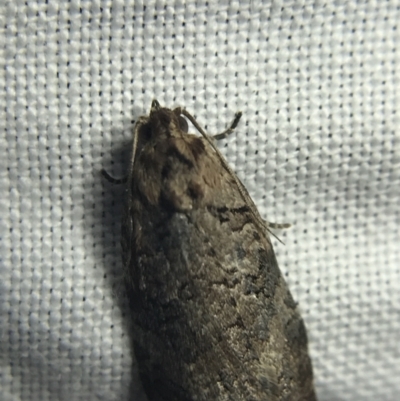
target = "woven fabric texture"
x: 318, y: 147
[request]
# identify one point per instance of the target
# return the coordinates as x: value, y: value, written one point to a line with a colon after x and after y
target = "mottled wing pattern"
x: 213, y: 317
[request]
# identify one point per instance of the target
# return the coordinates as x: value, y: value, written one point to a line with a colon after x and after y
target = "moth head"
x: 163, y: 119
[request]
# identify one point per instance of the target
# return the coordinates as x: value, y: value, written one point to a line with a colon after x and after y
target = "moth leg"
x: 141, y: 121
x: 230, y: 129
x: 269, y: 225
x: 277, y: 226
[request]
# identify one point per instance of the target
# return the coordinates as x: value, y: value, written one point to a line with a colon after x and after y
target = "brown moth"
x: 213, y: 317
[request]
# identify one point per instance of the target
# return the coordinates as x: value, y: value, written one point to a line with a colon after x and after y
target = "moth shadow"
x: 106, y: 231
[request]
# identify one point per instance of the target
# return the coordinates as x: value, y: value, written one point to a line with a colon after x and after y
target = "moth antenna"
x: 275, y: 236
x: 141, y: 121
x: 242, y: 190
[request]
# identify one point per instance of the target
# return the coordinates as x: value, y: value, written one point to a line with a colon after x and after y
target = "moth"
x: 213, y: 317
